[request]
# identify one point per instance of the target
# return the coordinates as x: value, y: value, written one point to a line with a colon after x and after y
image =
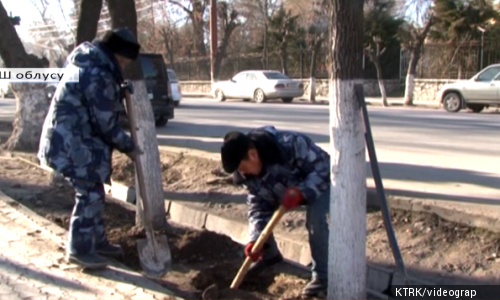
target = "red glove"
x: 253, y: 256
x: 292, y: 198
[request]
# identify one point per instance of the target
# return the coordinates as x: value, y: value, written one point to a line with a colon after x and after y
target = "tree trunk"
x: 284, y: 59
x: 312, y: 72
x: 32, y: 105
x: 347, y: 251
x: 88, y: 20
x: 123, y: 14
x: 221, y: 52
x: 410, y: 79
x: 380, y: 78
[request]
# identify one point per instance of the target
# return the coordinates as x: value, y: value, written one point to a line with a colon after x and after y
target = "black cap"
x: 234, y: 149
x: 122, y: 41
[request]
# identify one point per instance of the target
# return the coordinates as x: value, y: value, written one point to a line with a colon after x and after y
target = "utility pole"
x: 266, y: 17
x: 213, y: 37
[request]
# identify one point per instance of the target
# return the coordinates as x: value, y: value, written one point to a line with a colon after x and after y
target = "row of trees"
x: 286, y: 28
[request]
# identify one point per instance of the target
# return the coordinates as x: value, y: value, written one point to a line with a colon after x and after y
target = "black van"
x: 158, y: 87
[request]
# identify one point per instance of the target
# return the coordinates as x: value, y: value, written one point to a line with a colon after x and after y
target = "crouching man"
x: 282, y: 167
x: 79, y: 134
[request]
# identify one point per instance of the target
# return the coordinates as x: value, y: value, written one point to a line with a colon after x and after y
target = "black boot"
x: 88, y: 261
x: 109, y: 250
x: 315, y: 289
x: 257, y: 267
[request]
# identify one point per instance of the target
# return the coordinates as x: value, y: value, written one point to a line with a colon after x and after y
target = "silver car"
x: 259, y: 86
x: 477, y: 93
x: 174, y: 86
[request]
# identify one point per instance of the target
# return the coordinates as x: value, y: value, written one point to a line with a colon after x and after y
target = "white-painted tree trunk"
x: 312, y: 89
x: 150, y: 159
x: 32, y: 107
x: 383, y: 93
x: 409, y: 88
x: 347, y: 241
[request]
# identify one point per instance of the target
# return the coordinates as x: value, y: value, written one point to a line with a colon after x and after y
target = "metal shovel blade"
x: 154, y: 255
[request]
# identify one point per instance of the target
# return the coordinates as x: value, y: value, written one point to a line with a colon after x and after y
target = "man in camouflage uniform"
x: 282, y: 167
x: 80, y: 133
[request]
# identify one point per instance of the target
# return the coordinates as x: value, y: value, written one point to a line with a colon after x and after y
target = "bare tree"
x: 412, y: 37
x: 123, y: 14
x: 228, y: 17
x: 347, y: 243
x: 31, y: 101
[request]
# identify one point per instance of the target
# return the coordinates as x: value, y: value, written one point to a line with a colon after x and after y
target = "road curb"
x: 379, y: 280
x: 60, y: 236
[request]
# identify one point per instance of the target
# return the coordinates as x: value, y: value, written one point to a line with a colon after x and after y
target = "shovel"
x: 154, y: 252
x: 258, y: 246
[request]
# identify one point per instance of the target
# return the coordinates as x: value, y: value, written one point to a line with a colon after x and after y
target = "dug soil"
x: 200, y: 258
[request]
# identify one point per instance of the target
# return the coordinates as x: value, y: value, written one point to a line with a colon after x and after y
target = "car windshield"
x: 172, y: 77
x: 275, y: 75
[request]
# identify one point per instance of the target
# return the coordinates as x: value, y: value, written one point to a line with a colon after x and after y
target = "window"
x: 251, y: 76
x: 150, y: 68
x: 275, y: 75
x: 240, y: 77
x: 488, y: 74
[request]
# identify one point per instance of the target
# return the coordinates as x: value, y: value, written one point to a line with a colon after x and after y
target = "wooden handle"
x: 264, y: 236
x: 138, y: 164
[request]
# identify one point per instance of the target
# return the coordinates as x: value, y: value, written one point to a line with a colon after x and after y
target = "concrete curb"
x: 60, y: 234
x: 379, y: 280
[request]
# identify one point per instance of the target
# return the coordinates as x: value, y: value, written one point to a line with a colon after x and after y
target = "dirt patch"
x: 180, y: 173
x: 200, y: 258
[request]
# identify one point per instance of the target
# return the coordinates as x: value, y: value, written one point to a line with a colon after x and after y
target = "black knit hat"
x: 234, y: 149
x: 122, y: 41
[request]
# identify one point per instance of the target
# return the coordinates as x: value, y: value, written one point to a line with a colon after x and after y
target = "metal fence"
x: 298, y: 65
x: 444, y: 61
x: 438, y: 61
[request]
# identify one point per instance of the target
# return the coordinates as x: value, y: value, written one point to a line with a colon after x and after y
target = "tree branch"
x: 185, y: 9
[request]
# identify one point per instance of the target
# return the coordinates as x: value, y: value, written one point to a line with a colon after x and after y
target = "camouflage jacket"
x: 82, y: 128
x: 305, y: 166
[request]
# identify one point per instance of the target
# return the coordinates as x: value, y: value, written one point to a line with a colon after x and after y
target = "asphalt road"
x: 426, y: 151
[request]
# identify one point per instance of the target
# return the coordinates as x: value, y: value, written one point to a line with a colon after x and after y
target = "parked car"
x: 174, y: 87
x: 259, y: 86
x: 477, y: 93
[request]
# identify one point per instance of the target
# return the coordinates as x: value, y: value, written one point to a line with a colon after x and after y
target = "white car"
x: 259, y: 86
x: 479, y: 92
x: 174, y: 86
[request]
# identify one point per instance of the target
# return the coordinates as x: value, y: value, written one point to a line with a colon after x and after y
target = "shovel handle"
x: 259, y: 244
x: 137, y: 160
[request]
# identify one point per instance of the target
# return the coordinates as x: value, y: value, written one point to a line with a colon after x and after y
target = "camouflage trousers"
x: 86, y: 229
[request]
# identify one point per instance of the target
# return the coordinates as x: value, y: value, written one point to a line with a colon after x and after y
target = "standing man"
x: 81, y: 131
x: 282, y: 167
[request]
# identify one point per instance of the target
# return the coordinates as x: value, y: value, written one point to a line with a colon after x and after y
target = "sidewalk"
x: 31, y: 265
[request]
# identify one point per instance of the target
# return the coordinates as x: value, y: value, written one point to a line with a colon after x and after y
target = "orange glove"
x: 292, y: 198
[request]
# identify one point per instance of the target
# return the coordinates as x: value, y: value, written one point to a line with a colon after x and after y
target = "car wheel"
x: 161, y: 122
x: 259, y: 96
x: 477, y: 108
x: 177, y: 103
x: 452, y: 102
x: 219, y: 95
x: 287, y: 100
